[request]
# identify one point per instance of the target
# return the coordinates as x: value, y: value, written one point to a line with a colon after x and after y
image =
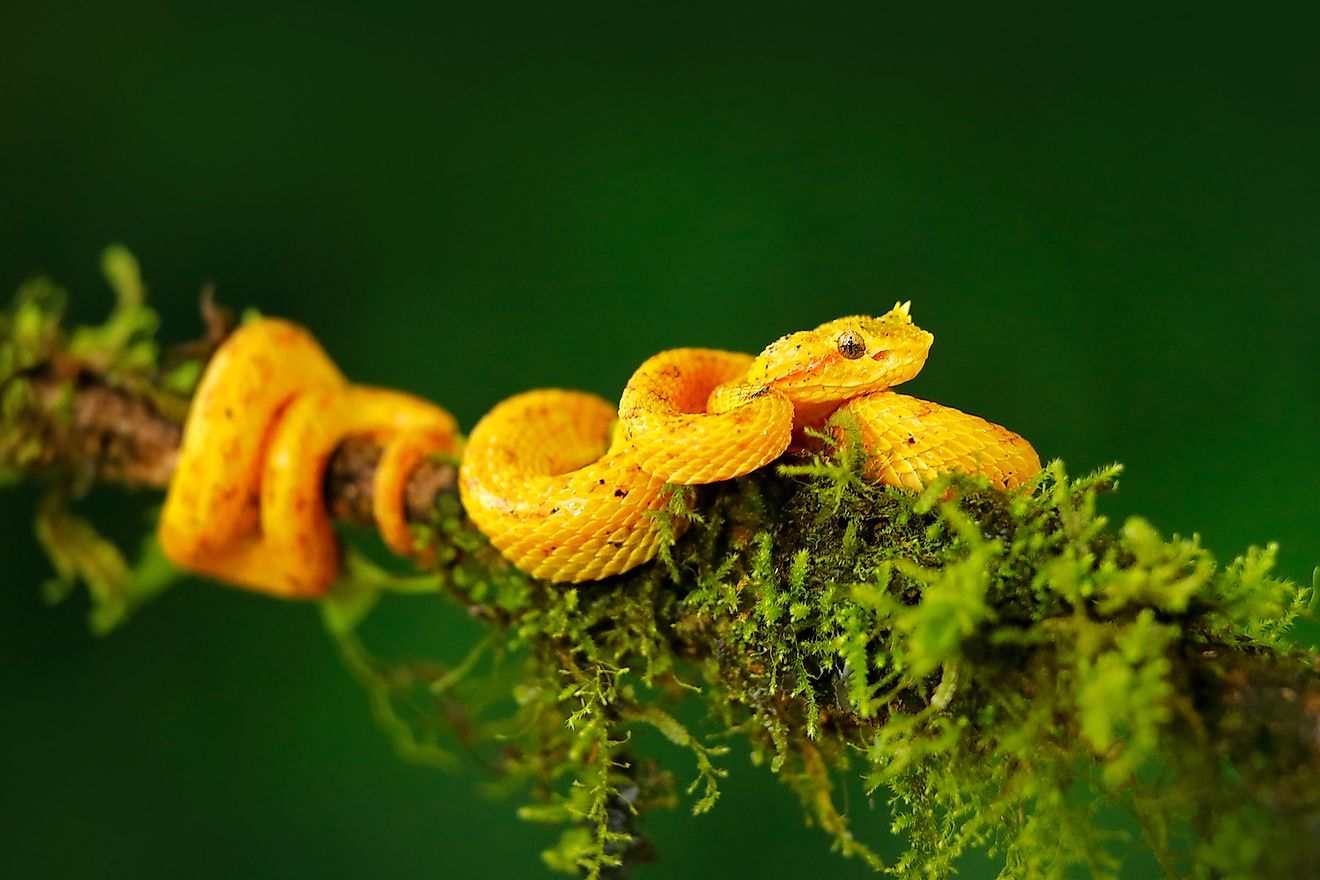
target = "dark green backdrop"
x: 1109, y: 221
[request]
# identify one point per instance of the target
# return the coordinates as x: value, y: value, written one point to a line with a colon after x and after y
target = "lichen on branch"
x: 1007, y: 673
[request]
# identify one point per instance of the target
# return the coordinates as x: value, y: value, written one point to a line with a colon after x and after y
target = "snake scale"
x: 562, y: 482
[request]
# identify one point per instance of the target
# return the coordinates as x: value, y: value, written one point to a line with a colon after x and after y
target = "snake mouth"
x: 810, y: 369
x: 892, y: 372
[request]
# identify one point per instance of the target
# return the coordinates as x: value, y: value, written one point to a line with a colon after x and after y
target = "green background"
x: 1110, y: 221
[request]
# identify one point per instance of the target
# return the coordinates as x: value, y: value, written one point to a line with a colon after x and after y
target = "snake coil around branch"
x: 978, y: 656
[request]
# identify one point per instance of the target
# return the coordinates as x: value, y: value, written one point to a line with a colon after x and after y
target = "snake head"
x: 844, y: 358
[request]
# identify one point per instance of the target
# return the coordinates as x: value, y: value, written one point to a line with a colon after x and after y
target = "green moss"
x: 998, y: 666
x: 125, y: 343
x: 121, y: 351
x: 1007, y: 671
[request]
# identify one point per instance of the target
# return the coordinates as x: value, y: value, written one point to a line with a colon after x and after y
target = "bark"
x: 1245, y: 697
x: 115, y: 436
x: 1251, y: 707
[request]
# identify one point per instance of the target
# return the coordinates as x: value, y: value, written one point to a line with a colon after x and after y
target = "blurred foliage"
x: 120, y: 351
x: 79, y: 553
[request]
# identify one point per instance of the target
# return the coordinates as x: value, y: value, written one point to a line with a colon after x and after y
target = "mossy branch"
x: 1000, y: 668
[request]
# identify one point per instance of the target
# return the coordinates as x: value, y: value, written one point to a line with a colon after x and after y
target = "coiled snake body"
x: 565, y: 499
x: 562, y: 483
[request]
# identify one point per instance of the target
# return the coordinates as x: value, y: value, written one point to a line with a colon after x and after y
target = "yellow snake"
x: 245, y: 503
x: 565, y: 485
x: 567, y: 498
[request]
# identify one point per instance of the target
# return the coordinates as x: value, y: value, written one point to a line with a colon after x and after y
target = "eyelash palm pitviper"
x: 563, y: 483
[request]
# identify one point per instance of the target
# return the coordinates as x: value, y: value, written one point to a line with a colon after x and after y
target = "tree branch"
x: 112, y: 435
x: 982, y: 653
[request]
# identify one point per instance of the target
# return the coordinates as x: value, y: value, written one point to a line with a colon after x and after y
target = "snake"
x: 245, y: 504
x: 571, y: 489
x: 567, y: 486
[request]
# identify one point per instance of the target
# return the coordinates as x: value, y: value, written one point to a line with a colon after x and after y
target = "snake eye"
x: 851, y: 344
